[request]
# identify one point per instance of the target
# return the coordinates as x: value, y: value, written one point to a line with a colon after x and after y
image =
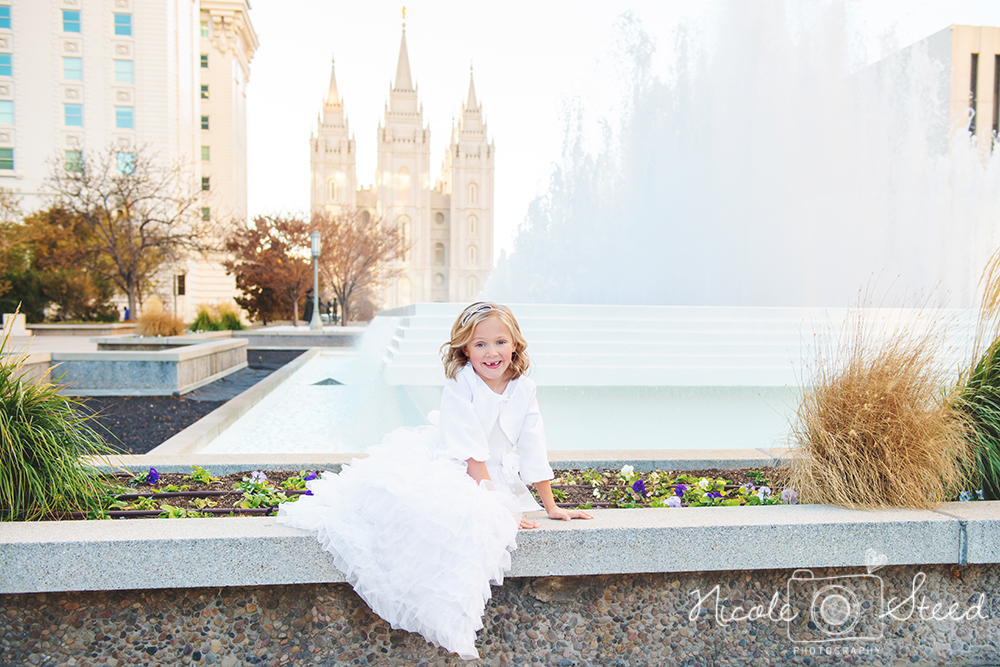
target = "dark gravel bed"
x: 137, y: 424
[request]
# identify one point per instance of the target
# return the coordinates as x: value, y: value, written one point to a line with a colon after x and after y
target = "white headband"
x: 473, y: 310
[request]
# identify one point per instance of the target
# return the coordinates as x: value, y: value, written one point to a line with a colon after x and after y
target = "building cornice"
x: 232, y: 30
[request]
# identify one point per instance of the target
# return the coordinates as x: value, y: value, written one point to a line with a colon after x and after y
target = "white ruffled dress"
x: 414, y: 534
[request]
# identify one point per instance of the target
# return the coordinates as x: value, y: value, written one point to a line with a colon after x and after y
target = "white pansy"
x: 627, y: 471
x: 704, y: 484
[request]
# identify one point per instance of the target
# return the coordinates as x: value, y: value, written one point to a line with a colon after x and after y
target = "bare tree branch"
x: 143, y: 213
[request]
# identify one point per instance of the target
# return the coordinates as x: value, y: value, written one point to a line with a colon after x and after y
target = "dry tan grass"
x: 155, y: 321
x: 876, y: 428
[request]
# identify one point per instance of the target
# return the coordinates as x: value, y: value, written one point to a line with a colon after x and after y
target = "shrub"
x: 978, y: 397
x: 43, y: 440
x: 204, y: 322
x: 155, y: 321
x: 876, y: 429
x: 978, y: 391
x: 219, y: 317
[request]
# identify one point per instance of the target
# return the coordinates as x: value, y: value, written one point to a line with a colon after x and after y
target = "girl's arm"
x: 477, y: 471
x: 544, y: 489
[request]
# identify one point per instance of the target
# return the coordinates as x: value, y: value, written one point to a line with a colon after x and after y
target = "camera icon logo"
x: 831, y: 609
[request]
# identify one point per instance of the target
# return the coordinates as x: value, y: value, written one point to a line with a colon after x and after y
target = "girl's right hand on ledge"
x: 560, y: 514
x: 527, y: 523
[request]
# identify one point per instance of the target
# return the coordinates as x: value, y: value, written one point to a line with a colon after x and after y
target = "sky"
x: 533, y: 62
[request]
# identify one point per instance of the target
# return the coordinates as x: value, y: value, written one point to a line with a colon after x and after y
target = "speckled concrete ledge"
x: 181, y: 553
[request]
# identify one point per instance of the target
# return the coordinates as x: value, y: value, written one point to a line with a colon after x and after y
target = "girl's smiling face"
x: 490, y: 350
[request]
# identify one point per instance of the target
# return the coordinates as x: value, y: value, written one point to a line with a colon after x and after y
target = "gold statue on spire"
x: 404, y: 12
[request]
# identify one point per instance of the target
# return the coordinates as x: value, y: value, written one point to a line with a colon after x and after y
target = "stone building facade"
x: 169, y: 77
x: 448, y: 225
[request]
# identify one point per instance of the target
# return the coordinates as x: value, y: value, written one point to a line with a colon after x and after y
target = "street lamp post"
x: 315, y: 324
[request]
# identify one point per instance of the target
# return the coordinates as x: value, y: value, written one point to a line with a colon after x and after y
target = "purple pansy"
x: 714, y: 495
x: 152, y: 476
x: 639, y: 487
x: 790, y: 496
x: 680, y: 490
x: 257, y: 477
x: 673, y: 501
x: 310, y: 477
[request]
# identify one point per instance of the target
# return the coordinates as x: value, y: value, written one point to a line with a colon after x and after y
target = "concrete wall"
x: 160, y: 373
x: 633, y: 619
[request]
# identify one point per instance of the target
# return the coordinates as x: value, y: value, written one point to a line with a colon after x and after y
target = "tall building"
x: 448, y: 225
x: 968, y: 96
x: 85, y: 75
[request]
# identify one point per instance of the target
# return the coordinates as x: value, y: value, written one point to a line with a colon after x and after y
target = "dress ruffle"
x: 415, y: 536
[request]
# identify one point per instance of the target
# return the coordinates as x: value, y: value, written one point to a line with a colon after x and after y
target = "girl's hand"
x: 559, y: 514
x: 527, y: 523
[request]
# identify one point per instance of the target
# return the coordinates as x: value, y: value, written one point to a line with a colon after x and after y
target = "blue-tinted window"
x: 73, y: 114
x: 7, y: 159
x: 6, y: 64
x: 71, y: 21
x: 124, y: 72
x: 126, y: 163
x: 73, y: 69
x: 6, y: 112
x: 123, y: 24
x: 5, y: 16
x: 123, y: 118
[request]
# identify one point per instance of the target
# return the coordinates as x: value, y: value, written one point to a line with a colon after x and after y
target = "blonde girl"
x: 425, y: 523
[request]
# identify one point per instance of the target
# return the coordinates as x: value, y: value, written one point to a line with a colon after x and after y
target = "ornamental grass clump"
x: 978, y: 391
x: 43, y: 442
x: 876, y: 428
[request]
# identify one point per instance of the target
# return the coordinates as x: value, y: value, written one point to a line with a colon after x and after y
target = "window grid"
x: 204, y: 28
x: 74, y: 161
x: 205, y: 153
x: 73, y: 114
x: 7, y: 159
x: 73, y: 69
x: 204, y: 91
x: 6, y: 112
x: 123, y: 24
x: 204, y: 60
x: 5, y: 17
x: 124, y: 71
x: 206, y: 213
x: 124, y: 118
x: 205, y: 181
x: 6, y: 64
x: 204, y: 122
x: 71, y: 21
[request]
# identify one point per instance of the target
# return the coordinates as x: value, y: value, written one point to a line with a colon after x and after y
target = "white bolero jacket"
x: 470, y: 411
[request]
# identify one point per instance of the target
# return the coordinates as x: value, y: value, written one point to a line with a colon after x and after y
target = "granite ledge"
x: 184, y: 553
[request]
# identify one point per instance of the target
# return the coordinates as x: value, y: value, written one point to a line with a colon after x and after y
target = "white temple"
x: 449, y: 227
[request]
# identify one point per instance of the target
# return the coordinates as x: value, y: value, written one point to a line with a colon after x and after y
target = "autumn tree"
x: 141, y: 211
x: 63, y: 251
x: 269, y: 261
x: 357, y: 254
x: 10, y: 233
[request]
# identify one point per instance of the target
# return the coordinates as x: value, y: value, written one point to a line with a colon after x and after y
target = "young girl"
x: 427, y: 521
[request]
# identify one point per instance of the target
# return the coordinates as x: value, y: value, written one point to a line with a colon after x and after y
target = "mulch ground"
x: 137, y: 424
x: 221, y: 496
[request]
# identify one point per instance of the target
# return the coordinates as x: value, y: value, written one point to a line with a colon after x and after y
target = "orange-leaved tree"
x: 271, y: 266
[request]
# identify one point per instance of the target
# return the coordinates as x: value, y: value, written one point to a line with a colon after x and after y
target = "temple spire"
x: 332, y: 96
x: 403, y: 79
x: 470, y: 103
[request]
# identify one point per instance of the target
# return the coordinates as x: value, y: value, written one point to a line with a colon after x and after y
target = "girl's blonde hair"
x: 453, y: 352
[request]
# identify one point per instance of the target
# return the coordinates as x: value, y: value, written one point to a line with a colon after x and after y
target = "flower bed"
x: 151, y: 494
